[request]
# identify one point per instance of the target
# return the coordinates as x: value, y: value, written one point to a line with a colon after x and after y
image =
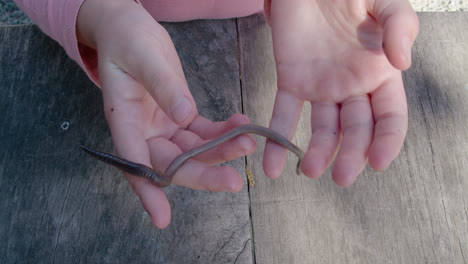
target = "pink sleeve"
x: 57, y: 18
x: 182, y: 10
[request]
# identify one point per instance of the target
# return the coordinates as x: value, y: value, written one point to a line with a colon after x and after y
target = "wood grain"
x: 57, y: 205
x: 414, y: 212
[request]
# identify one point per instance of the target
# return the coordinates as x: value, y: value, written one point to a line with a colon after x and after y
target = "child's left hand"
x: 345, y: 58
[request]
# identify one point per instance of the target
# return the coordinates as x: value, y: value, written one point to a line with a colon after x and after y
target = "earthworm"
x: 164, y: 179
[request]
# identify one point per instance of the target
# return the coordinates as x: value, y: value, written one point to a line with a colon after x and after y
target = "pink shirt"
x: 57, y: 18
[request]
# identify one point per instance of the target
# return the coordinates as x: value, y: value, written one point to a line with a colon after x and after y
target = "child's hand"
x: 345, y: 58
x: 148, y: 106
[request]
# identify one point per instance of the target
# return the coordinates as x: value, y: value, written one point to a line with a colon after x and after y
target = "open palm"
x: 344, y: 57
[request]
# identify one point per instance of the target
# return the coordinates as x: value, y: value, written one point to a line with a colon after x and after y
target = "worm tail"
x: 133, y: 168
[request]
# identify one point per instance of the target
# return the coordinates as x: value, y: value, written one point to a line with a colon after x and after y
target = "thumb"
x: 154, y: 62
x: 400, y: 25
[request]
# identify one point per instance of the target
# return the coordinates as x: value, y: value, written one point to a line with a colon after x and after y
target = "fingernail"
x: 229, y: 188
x: 406, y: 44
x: 232, y: 187
x: 315, y: 167
x: 246, y: 145
x: 344, y: 173
x: 181, y: 109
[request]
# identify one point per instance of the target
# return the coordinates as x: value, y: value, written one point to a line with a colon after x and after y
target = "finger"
x: 193, y: 174
x: 151, y: 59
x: 233, y: 149
x: 199, y: 125
x: 325, y: 138
x: 391, y: 117
x: 124, y: 119
x: 153, y: 200
x: 357, y: 127
x: 401, y: 26
x: 284, y: 120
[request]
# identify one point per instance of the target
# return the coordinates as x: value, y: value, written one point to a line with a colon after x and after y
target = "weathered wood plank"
x: 59, y: 206
x: 416, y: 211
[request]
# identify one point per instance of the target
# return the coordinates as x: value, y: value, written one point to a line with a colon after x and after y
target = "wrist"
x: 94, y: 15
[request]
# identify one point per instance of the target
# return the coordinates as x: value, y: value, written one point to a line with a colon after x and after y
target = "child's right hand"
x: 149, y: 108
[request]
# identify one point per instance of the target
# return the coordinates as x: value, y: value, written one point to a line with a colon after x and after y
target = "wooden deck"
x: 59, y: 206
